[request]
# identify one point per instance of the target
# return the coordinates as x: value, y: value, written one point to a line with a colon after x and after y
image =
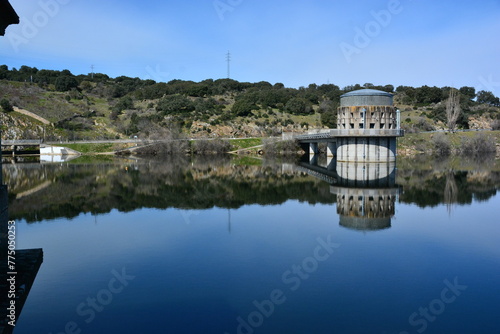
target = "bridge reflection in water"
x: 366, y: 192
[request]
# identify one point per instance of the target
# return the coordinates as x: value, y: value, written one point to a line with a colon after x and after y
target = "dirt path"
x: 32, y: 115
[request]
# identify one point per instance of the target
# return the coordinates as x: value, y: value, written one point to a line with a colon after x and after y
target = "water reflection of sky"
x: 193, y: 275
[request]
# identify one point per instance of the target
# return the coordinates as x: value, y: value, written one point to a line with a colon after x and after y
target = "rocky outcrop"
x: 480, y: 122
x: 19, y: 128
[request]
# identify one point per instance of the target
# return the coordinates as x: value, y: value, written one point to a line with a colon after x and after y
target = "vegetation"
x: 466, y: 144
x: 245, y: 143
x: 281, y: 147
x: 477, y: 145
x: 6, y: 106
x: 99, y: 107
x: 215, y: 146
x: 167, y: 147
x: 441, y: 144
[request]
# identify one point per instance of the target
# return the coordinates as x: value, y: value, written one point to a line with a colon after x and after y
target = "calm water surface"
x: 225, y: 246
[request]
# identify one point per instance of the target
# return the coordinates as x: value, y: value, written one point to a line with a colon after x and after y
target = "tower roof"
x: 367, y: 92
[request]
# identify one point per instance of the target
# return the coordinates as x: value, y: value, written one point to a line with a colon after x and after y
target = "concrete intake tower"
x: 371, y: 123
x: 367, y: 127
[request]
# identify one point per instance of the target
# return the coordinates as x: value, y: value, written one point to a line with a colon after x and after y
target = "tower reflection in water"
x: 366, y: 192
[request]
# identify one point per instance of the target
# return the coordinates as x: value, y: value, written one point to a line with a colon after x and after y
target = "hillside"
x: 99, y: 107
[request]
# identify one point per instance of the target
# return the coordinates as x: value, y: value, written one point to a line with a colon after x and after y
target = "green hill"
x: 99, y: 107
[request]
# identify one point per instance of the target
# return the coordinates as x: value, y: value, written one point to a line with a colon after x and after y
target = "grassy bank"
x: 410, y: 144
x: 238, y: 144
x: 415, y: 143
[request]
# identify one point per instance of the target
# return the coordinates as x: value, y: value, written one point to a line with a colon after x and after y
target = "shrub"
x: 6, y: 106
x: 216, y: 146
x: 165, y: 148
x: 422, y: 124
x: 477, y: 145
x: 284, y: 147
x: 441, y: 144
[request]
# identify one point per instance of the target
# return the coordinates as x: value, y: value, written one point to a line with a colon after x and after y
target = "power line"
x: 92, y: 68
x: 228, y: 59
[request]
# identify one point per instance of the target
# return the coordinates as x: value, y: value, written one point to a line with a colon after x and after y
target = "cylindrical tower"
x: 368, y: 121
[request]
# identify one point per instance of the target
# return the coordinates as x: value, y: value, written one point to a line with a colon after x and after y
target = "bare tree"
x: 450, y: 191
x: 453, y: 109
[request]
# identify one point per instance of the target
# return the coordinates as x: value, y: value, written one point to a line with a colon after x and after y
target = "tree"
x: 123, y: 104
x: 175, y: 104
x: 65, y: 83
x: 328, y: 111
x: 6, y: 106
x: 468, y: 92
x: 427, y: 95
x: 299, y: 106
x: 452, y: 109
x: 486, y: 97
x: 388, y: 88
x: 243, y: 107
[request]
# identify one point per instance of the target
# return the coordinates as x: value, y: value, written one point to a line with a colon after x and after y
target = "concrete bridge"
x: 12, y: 147
x: 336, y: 137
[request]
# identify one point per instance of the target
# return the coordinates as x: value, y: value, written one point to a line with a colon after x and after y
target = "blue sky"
x: 405, y: 42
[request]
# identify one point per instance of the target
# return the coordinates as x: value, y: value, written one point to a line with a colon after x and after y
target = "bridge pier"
x: 331, y: 163
x: 310, y: 147
x: 314, y: 159
x: 331, y: 148
x: 313, y: 148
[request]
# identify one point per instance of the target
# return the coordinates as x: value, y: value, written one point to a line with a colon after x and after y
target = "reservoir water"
x: 240, y: 245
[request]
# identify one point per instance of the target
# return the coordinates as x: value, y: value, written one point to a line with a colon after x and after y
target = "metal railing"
x: 352, y: 133
x: 21, y: 142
